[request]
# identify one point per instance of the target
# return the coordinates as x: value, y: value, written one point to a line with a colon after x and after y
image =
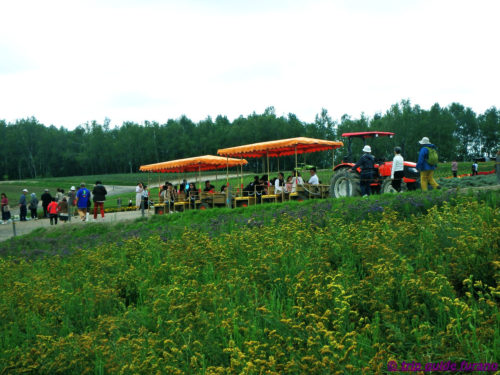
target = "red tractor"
x: 345, y: 184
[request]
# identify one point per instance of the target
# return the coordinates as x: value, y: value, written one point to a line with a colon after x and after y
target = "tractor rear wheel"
x: 345, y: 184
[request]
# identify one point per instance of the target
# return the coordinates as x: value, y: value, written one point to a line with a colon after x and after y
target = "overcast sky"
x: 69, y: 62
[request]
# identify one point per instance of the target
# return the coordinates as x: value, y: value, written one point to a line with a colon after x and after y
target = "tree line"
x: 30, y: 149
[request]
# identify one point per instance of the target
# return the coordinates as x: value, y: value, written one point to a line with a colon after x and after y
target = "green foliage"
x: 297, y: 293
x: 28, y: 149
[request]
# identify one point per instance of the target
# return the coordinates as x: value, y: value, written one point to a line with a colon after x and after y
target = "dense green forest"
x: 30, y: 149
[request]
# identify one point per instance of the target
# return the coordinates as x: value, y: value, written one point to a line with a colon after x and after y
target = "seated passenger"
x: 296, y: 180
x: 170, y: 194
x: 192, y: 194
x: 289, y: 185
x: 209, y: 188
x: 161, y: 194
x: 182, y: 192
x: 192, y: 191
x: 279, y: 184
x: 314, y: 177
x: 251, y: 188
x: 264, y: 183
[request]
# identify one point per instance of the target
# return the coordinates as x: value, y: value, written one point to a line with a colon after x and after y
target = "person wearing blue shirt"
x: 426, y: 170
x: 82, y: 199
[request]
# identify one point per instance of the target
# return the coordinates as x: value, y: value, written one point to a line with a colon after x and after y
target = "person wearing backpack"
x: 427, y: 163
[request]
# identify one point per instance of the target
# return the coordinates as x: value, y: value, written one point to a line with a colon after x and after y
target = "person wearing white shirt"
x: 138, y: 194
x: 397, y: 171
x: 314, y: 177
x: 279, y: 184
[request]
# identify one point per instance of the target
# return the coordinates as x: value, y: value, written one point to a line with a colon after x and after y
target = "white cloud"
x: 68, y: 62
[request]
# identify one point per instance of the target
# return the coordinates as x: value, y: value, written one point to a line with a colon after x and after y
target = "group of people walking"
x: 60, y: 206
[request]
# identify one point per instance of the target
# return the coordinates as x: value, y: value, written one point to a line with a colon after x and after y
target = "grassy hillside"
x: 320, y: 287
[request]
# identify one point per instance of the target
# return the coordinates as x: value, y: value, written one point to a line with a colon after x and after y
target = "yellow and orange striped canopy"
x: 281, y: 147
x: 194, y: 164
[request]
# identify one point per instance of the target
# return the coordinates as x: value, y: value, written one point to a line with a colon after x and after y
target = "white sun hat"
x: 424, y: 141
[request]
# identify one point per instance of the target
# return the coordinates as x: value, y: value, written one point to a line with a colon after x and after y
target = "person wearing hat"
x: 426, y: 169
x: 22, y: 206
x: 366, y: 163
x: 71, y: 200
x: 397, y: 171
x: 46, y: 199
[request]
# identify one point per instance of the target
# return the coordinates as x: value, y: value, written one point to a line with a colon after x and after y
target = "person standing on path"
x: 426, y: 167
x: 397, y: 171
x: 46, y: 199
x: 145, y: 196
x: 53, y: 209
x: 82, y: 200
x: 454, y: 168
x: 138, y: 194
x: 71, y: 200
x: 23, y: 206
x: 34, y: 206
x: 366, y: 163
x: 5, y: 210
x: 99, y: 196
x: 59, y: 195
x: 63, y: 210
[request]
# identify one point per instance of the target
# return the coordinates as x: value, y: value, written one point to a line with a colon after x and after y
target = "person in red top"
x: 53, y: 210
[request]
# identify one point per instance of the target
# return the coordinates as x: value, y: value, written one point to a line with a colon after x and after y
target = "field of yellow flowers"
x: 293, y: 295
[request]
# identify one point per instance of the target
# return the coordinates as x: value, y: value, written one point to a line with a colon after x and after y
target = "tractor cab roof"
x: 365, y: 135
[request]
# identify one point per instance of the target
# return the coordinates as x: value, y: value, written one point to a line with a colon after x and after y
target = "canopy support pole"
x: 241, y: 181
x: 267, y: 157
x: 295, y: 157
x: 227, y: 181
x: 149, y: 187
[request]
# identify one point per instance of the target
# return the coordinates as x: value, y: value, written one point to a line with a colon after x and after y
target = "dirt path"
x: 25, y: 227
